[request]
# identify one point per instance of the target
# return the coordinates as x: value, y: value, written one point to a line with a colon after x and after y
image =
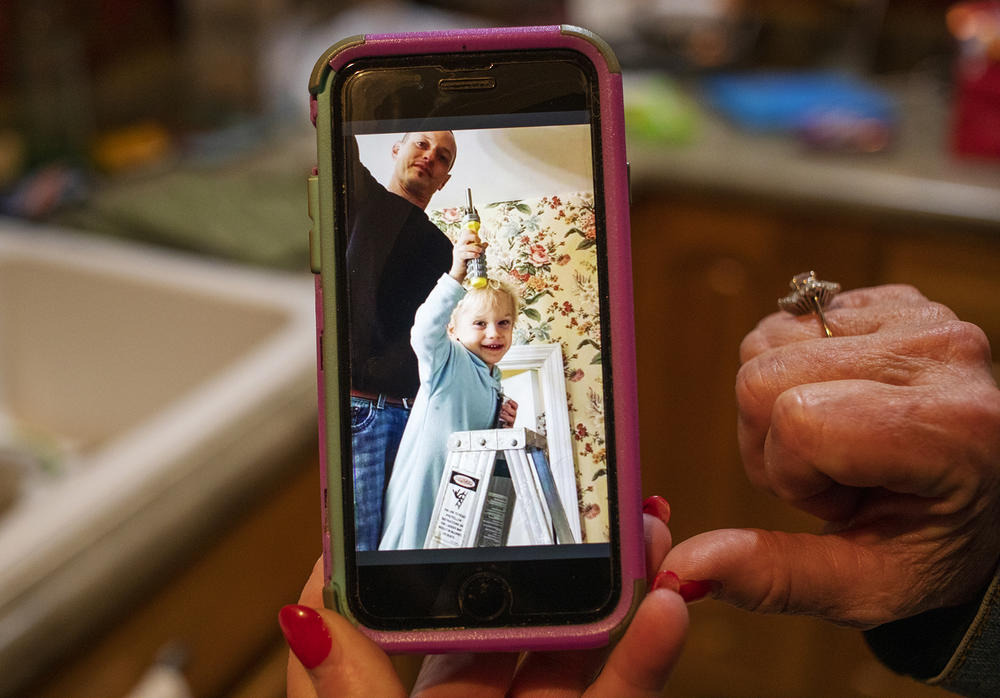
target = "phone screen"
x: 480, y: 436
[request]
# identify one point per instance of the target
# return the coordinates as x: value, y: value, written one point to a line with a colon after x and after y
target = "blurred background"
x: 159, y: 494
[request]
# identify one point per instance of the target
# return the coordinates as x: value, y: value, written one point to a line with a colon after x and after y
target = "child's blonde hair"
x: 489, y: 296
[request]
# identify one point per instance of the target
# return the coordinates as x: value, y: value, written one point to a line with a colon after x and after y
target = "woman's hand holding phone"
x: 344, y: 662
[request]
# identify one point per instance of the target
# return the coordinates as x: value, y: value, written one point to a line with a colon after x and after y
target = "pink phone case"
x: 616, y: 193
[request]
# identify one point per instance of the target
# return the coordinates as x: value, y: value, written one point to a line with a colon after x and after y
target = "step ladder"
x: 474, y: 505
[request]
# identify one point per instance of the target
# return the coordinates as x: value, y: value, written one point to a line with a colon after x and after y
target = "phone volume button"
x: 628, y: 181
x: 315, y: 258
x: 319, y: 353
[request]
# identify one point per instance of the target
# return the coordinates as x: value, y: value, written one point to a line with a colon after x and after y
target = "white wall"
x: 501, y: 164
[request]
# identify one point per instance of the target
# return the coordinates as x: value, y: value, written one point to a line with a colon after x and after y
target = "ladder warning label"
x: 454, y: 518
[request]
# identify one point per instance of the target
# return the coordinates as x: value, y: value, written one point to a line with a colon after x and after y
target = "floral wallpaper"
x: 545, y: 248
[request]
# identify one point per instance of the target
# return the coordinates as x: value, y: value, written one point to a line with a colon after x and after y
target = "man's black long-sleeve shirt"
x: 395, y: 255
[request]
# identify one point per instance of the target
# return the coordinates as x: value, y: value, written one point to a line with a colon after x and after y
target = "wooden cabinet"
x: 219, y: 608
x: 705, y: 272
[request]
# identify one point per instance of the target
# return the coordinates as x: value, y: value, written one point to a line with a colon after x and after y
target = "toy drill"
x: 475, y: 269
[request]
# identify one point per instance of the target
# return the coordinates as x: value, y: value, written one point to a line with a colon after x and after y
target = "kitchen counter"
x: 917, y: 175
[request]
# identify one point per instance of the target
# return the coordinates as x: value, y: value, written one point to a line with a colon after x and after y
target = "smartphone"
x: 479, y: 447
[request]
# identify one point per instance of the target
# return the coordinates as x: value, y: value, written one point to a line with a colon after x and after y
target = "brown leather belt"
x: 383, y: 398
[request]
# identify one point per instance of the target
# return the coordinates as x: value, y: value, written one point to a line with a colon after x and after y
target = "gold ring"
x: 809, y: 295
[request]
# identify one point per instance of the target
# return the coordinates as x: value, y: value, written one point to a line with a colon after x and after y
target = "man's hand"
x: 890, y: 432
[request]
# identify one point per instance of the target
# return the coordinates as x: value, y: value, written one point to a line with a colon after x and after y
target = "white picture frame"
x: 544, y: 395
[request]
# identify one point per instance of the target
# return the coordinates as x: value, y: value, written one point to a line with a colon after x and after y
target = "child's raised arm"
x: 467, y: 246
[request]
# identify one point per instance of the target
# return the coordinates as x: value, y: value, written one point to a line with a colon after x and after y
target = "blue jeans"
x: 375, y: 435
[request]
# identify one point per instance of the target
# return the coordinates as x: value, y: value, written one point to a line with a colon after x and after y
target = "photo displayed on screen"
x: 477, y: 396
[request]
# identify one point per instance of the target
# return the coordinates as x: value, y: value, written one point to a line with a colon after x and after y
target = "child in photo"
x: 458, y: 336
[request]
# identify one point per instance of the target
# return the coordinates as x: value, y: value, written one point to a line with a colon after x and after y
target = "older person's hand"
x: 342, y: 661
x: 890, y: 432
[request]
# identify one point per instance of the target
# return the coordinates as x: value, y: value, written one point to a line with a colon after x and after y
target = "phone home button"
x: 484, y: 596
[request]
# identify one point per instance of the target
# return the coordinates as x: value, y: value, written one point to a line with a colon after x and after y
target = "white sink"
x: 157, y: 388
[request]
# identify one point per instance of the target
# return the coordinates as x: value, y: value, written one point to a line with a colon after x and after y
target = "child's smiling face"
x: 485, y: 329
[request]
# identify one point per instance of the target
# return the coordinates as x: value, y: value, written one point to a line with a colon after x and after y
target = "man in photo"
x: 395, y: 255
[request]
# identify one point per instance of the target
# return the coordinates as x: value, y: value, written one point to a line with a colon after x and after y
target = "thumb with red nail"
x: 329, y: 657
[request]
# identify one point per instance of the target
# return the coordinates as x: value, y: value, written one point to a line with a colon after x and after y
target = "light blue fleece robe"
x: 457, y: 392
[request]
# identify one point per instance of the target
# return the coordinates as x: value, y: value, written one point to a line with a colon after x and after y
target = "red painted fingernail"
x: 696, y: 590
x: 658, y: 507
x: 306, y: 633
x: 667, y: 580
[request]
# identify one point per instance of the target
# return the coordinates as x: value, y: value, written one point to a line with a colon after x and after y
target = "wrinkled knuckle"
x: 793, y: 422
x: 752, y: 346
x: 753, y: 393
x: 989, y: 403
x: 965, y: 343
x: 981, y: 418
x: 950, y: 342
x: 774, y: 593
x: 747, y: 380
x: 938, y: 312
x: 903, y: 292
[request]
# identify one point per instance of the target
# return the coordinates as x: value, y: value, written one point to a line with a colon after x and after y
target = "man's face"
x: 485, y: 330
x: 423, y: 160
